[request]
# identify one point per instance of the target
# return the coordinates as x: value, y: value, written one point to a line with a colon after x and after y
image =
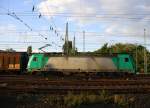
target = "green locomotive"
x: 121, y: 63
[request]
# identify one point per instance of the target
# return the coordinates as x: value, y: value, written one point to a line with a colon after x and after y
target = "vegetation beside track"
x: 82, y: 100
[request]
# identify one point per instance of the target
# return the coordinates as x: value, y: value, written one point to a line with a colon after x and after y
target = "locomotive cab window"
x: 35, y: 59
x: 126, y: 59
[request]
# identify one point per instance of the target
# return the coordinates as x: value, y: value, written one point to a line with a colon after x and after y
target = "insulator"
x: 40, y: 15
x: 33, y: 8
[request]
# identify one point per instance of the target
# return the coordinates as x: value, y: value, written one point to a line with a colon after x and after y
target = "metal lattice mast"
x: 145, y: 55
x: 66, y: 40
x: 83, y: 41
x: 74, y: 47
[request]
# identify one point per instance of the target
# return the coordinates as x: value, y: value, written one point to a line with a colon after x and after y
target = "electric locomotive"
x: 121, y: 63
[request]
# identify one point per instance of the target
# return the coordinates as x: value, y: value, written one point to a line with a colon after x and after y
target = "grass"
x: 78, y: 100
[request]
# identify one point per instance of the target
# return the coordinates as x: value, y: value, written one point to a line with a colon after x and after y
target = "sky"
x: 104, y: 21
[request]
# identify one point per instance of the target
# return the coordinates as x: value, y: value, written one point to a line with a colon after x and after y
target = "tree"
x: 10, y: 50
x: 128, y: 48
x: 103, y: 49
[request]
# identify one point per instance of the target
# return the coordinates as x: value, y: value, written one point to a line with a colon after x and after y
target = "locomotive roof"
x: 84, y: 54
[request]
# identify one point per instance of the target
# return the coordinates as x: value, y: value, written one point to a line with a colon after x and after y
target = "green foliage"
x: 52, y: 100
x: 87, y: 99
x: 72, y: 100
x: 120, y: 101
x: 104, y: 49
x: 82, y: 100
x: 10, y: 50
x: 136, y: 50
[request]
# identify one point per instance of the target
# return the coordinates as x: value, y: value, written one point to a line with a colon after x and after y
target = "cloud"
x: 26, y: 2
x: 74, y: 10
x: 88, y: 11
x: 122, y: 17
x: 4, y: 28
x: 11, y: 37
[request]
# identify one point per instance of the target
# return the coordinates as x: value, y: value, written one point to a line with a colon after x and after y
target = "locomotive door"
x: 125, y: 63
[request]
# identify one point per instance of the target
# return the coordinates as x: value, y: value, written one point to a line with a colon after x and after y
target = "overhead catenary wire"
x: 14, y: 15
x: 88, y: 33
x: 79, y: 14
x: 97, y: 16
x: 106, y: 16
x: 19, y: 19
x: 51, y: 27
x: 119, y: 34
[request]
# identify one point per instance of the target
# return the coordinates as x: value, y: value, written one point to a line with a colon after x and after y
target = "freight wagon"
x: 112, y: 64
x: 13, y: 62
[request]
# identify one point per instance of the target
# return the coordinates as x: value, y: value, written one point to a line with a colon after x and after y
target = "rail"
x: 32, y: 84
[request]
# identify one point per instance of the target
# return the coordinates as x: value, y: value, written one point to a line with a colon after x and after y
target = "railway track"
x: 32, y: 84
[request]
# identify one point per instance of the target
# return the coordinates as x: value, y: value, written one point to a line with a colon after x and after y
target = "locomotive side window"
x: 126, y: 60
x: 35, y: 59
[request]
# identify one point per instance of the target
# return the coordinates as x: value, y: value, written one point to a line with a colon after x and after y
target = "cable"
x: 13, y: 14
x: 20, y: 42
x: 97, y: 16
x: 16, y: 17
x: 80, y: 32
